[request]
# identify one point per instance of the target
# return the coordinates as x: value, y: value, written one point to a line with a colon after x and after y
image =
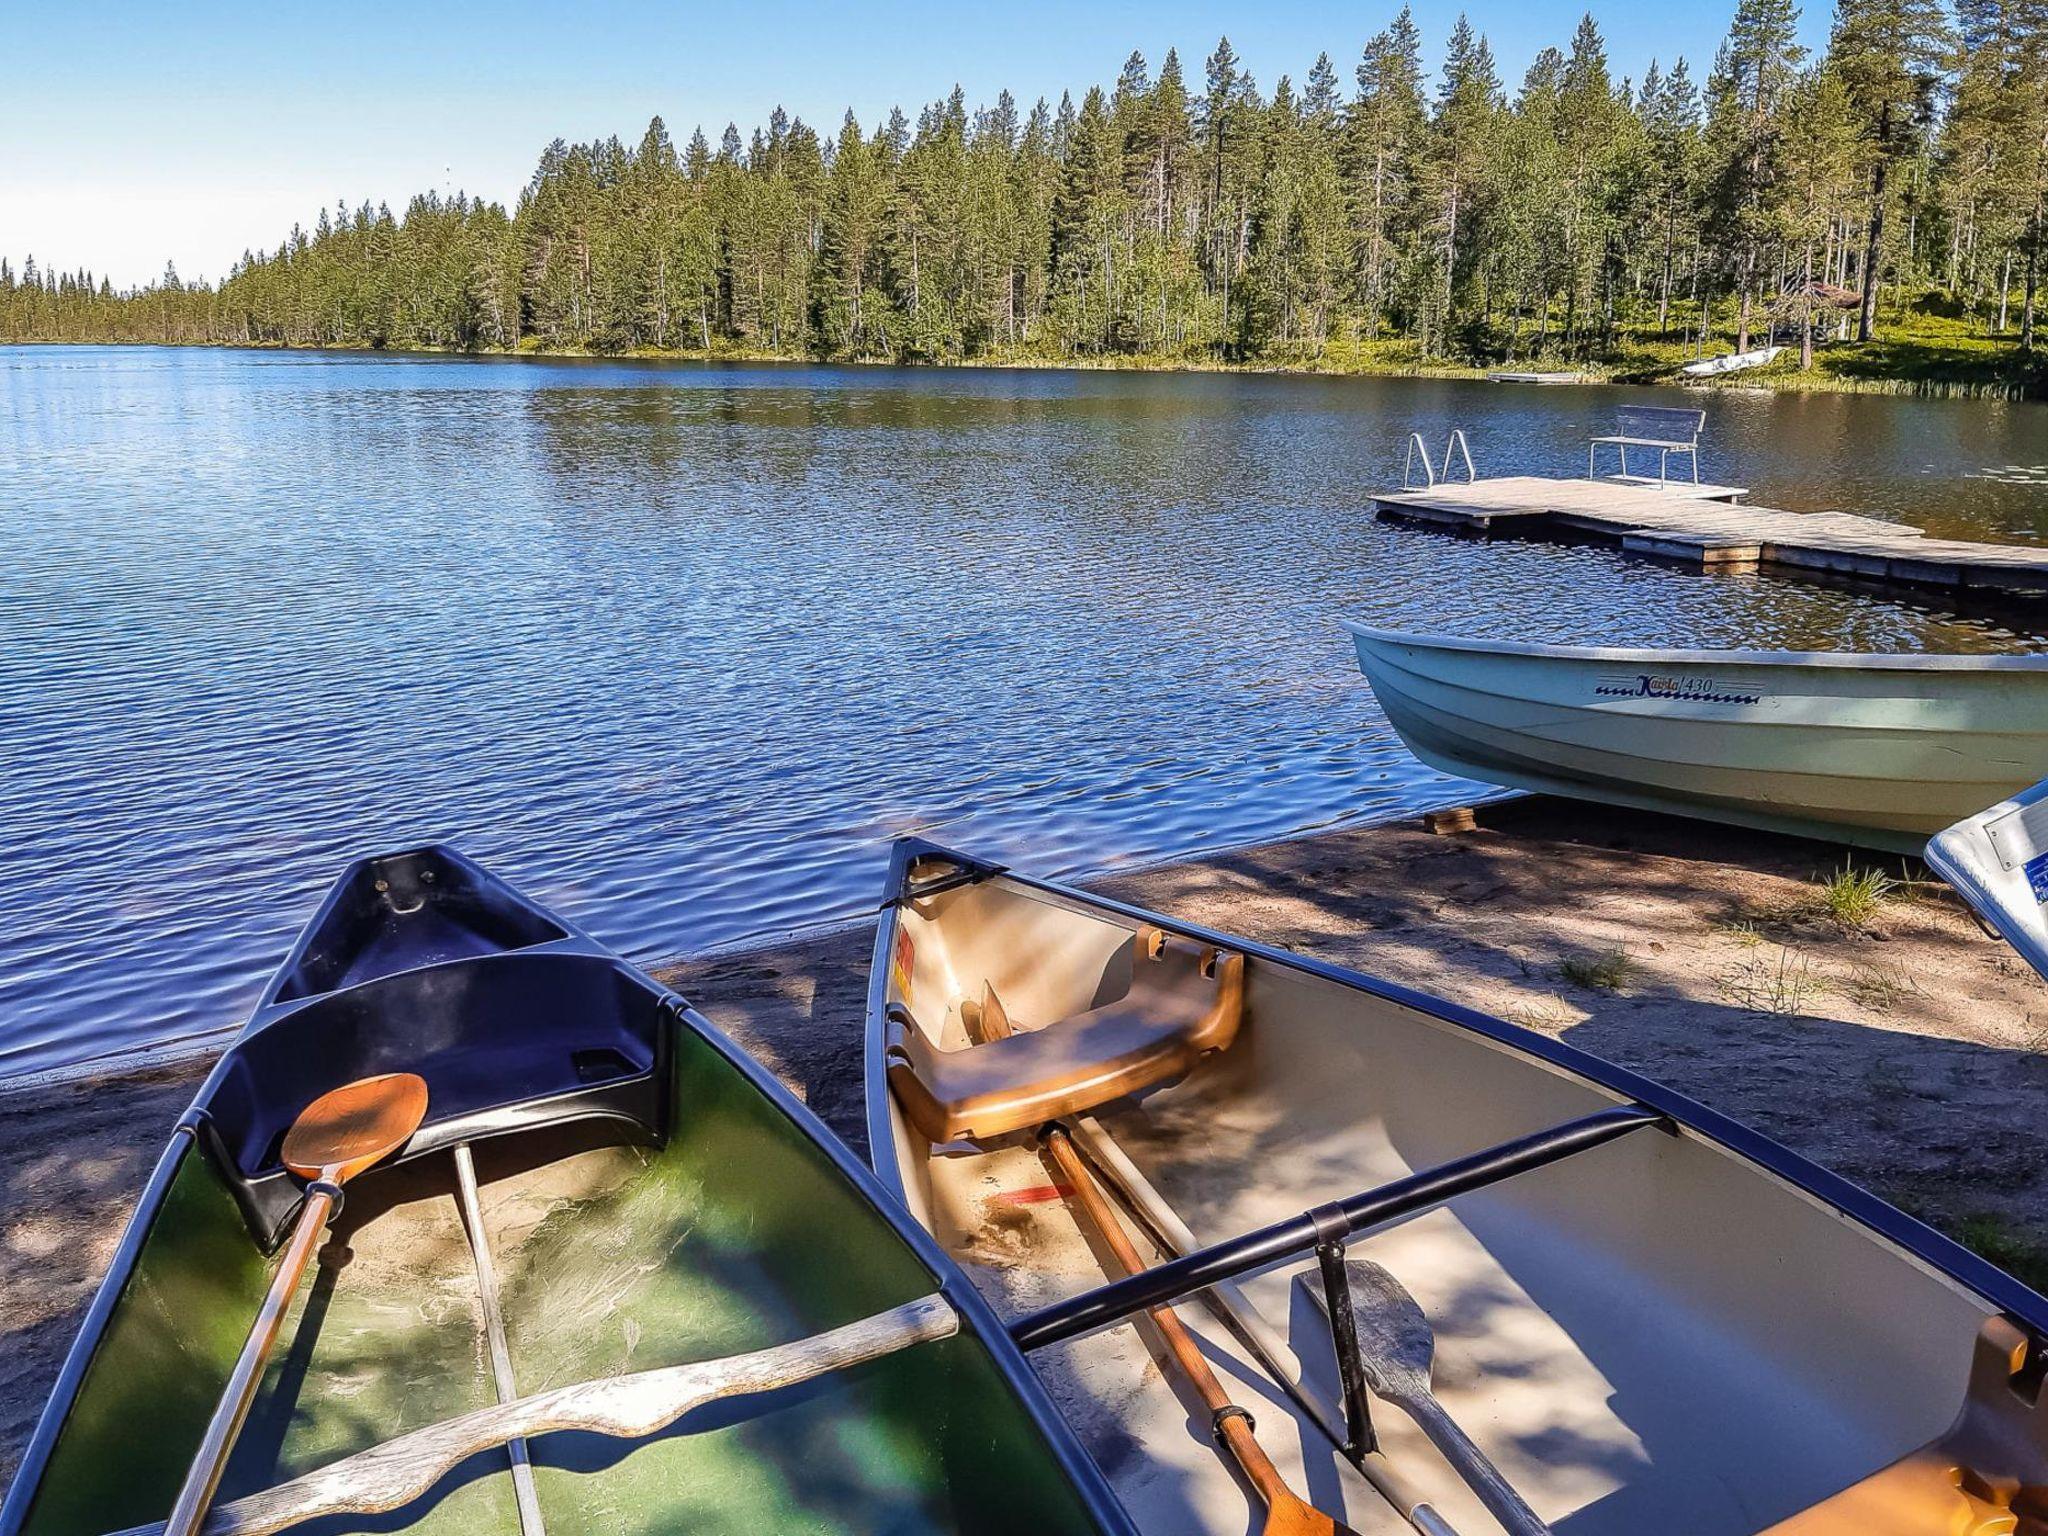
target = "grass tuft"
x: 1880, y: 987
x: 1544, y: 1013
x: 1784, y: 988
x: 1609, y: 971
x: 1852, y: 896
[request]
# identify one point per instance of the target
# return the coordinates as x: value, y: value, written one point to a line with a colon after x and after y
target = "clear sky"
x: 133, y: 134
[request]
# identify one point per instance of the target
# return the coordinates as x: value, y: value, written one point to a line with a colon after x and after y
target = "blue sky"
x: 134, y: 134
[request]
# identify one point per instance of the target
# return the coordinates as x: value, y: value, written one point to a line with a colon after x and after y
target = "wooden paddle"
x: 393, y: 1474
x: 336, y: 1137
x: 1286, y: 1515
x: 1396, y: 1349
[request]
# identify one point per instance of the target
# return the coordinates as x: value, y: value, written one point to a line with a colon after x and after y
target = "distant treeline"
x: 1212, y: 220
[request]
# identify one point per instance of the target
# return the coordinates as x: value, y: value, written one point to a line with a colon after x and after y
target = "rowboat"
x: 1997, y: 861
x: 615, y: 1280
x: 1644, y: 1317
x: 1881, y: 751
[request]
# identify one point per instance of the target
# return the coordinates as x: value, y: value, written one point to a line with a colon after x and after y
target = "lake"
x: 678, y: 648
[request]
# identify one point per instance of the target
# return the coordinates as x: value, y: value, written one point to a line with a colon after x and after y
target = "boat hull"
x: 1877, y: 751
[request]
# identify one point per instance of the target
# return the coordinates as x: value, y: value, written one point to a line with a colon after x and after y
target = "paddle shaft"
x: 203, y: 1477
x: 1233, y: 1428
x: 1473, y: 1465
x: 523, y: 1492
x: 1172, y: 1236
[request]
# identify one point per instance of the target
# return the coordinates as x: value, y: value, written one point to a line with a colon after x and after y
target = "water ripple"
x: 678, y: 649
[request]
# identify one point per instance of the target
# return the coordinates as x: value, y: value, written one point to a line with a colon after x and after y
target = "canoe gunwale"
x: 1857, y: 661
x: 35, y: 1457
x: 1922, y: 1243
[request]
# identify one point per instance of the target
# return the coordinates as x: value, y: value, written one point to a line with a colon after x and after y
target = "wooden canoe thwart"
x: 601, y: 1263
x: 1878, y: 750
x: 1578, y: 1301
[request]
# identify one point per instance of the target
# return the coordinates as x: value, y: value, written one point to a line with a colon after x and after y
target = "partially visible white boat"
x: 1998, y: 862
x: 1730, y: 362
x: 1882, y: 751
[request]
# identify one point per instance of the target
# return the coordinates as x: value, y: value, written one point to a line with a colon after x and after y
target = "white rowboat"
x: 1882, y: 751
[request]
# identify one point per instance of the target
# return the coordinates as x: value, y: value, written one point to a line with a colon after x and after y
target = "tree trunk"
x: 1806, y: 315
x: 1866, y: 317
x: 2033, y: 282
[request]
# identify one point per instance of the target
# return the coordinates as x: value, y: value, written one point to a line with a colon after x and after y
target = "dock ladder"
x: 1430, y: 477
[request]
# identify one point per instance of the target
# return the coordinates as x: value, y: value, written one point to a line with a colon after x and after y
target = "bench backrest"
x: 1664, y: 423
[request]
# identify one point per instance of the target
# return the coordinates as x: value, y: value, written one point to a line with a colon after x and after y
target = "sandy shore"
x: 1909, y: 1052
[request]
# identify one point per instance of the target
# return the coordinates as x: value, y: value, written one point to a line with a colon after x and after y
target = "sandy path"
x: 1910, y: 1055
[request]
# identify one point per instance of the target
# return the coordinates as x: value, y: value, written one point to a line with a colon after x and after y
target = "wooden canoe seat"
x: 1186, y: 1000
x: 1988, y: 1476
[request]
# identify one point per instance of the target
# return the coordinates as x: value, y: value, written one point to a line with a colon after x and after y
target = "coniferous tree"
x: 1889, y: 55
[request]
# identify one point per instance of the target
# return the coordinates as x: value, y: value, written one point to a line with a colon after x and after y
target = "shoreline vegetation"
x: 1878, y: 207
x: 1923, y: 369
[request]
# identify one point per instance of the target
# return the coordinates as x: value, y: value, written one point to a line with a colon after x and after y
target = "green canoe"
x: 647, y: 1197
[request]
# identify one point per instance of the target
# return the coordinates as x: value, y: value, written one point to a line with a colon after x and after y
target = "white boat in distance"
x: 1731, y: 362
x: 1882, y: 751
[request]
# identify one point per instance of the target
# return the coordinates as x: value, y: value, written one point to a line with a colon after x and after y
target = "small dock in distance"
x: 1704, y: 526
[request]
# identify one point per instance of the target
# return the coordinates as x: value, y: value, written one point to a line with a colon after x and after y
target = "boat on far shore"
x: 1882, y: 751
x: 1730, y: 362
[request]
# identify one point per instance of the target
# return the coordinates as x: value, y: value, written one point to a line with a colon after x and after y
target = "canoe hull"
x: 651, y: 1197
x: 1692, y: 1319
x: 1882, y: 755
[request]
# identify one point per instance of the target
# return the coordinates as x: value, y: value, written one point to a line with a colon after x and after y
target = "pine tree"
x: 1383, y: 143
x: 1889, y: 54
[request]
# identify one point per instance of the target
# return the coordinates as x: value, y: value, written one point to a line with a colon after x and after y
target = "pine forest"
x: 1409, y: 208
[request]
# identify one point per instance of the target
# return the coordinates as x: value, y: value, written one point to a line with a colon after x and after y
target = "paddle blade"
x: 1288, y: 1516
x: 347, y: 1129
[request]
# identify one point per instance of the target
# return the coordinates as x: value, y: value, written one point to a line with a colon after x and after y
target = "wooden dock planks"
x: 1702, y: 525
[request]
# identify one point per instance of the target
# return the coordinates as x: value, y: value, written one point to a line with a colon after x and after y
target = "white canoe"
x: 1731, y: 362
x: 1998, y: 862
x: 1882, y: 751
x: 1682, y: 1330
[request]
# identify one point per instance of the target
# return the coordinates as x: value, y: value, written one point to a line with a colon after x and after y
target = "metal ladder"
x: 1430, y: 477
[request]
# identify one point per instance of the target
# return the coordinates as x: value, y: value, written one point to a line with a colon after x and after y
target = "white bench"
x: 1662, y: 427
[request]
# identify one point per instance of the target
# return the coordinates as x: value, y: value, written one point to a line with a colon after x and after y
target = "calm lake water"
x: 679, y: 648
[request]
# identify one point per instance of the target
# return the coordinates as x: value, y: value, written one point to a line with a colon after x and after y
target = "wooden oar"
x: 1136, y: 1193
x: 1286, y: 1515
x: 1396, y: 1349
x: 335, y: 1138
x: 392, y: 1475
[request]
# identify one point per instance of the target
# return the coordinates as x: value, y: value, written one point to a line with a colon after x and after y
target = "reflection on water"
x: 676, y: 648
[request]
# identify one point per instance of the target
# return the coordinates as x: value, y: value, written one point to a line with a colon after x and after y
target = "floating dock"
x: 1512, y: 376
x: 1705, y: 526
